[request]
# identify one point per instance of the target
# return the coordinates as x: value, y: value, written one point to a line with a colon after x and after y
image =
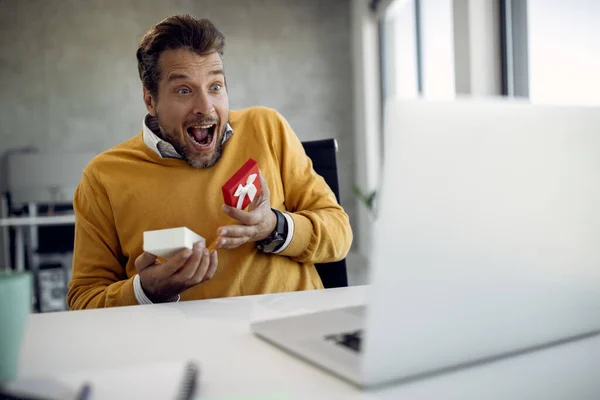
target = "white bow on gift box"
x: 246, y: 190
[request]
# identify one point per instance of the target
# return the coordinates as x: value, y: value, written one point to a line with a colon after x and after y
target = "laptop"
x: 486, y: 243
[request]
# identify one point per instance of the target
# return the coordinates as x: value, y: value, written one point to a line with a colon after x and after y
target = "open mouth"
x: 202, y: 136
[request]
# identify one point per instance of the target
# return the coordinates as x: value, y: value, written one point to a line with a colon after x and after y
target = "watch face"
x: 273, y: 244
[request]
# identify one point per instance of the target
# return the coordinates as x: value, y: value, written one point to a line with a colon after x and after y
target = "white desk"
x: 139, y: 352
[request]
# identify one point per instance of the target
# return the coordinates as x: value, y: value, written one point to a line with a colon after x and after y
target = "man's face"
x: 192, y: 107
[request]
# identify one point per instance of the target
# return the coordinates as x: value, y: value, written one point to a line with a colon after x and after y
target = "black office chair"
x: 323, y: 156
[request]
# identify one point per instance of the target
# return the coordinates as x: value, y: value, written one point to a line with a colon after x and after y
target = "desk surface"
x: 139, y: 352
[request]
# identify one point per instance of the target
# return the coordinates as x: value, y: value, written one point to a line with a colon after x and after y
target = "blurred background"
x: 70, y: 88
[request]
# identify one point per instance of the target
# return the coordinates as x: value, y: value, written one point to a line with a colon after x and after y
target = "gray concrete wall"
x: 68, y: 73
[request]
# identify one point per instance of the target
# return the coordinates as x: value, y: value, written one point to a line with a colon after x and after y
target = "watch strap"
x: 278, y: 235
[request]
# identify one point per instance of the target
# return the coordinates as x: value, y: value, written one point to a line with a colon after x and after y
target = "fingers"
x: 201, y: 269
x: 263, y: 197
x: 232, y: 243
x: 245, y: 217
x: 189, y: 269
x: 237, y: 231
x: 212, y: 267
x: 180, y: 272
x: 175, y: 263
x: 233, y: 236
x: 264, y: 187
x: 144, y: 260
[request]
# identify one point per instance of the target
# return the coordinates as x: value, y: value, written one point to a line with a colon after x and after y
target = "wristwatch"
x: 277, y: 237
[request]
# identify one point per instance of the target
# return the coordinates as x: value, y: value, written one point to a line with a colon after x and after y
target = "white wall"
x: 564, y: 51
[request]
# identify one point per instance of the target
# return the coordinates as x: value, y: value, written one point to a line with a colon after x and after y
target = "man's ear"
x: 149, y: 102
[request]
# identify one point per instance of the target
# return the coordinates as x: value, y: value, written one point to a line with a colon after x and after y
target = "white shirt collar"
x: 161, y: 147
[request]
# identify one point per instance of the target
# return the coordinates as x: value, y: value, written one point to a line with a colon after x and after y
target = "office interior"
x: 71, y: 89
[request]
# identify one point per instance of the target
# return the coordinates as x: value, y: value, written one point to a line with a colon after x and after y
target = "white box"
x: 167, y: 242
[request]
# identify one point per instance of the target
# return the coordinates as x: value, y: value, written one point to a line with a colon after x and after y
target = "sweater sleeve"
x: 99, y: 278
x: 322, y: 231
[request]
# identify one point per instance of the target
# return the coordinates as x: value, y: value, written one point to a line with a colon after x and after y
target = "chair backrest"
x: 323, y: 156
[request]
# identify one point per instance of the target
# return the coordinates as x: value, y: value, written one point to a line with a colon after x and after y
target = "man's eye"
x: 183, y: 91
x: 216, y: 87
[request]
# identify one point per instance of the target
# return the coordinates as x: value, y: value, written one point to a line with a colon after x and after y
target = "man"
x: 170, y: 175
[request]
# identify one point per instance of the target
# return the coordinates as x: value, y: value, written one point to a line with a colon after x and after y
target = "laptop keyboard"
x: 350, y: 340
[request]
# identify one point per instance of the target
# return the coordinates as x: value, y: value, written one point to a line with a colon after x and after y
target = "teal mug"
x: 15, y: 306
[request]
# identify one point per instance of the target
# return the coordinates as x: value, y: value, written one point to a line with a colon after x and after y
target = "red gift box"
x: 243, y: 186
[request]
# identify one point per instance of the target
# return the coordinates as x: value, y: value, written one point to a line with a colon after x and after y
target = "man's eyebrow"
x: 176, y: 76
x: 217, y: 72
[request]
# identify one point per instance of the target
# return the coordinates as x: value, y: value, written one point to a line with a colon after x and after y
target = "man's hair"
x: 176, y: 32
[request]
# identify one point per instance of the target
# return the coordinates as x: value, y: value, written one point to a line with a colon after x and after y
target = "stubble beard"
x: 182, y: 149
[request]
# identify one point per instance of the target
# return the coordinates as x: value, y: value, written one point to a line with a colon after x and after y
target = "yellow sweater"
x: 129, y: 189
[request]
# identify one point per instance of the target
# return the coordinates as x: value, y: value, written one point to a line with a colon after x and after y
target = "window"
x: 553, y: 50
x: 399, y: 51
x: 417, y: 49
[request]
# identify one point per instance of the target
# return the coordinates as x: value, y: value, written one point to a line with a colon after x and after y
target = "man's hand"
x: 162, y: 281
x: 256, y: 224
